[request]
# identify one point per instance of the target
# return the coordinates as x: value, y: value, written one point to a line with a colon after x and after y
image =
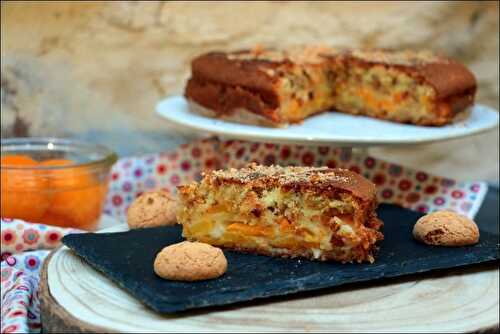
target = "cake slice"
x: 316, y: 213
x: 280, y: 87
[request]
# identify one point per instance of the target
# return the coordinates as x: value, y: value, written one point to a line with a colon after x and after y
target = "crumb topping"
x: 297, y: 54
x: 318, y: 53
x: 282, y: 175
x: 404, y: 57
x: 316, y: 178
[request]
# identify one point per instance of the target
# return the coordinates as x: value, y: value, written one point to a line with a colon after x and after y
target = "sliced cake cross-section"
x: 317, y: 213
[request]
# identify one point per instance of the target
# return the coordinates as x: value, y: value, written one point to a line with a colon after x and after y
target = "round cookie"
x: 190, y: 261
x: 446, y: 228
x: 151, y: 209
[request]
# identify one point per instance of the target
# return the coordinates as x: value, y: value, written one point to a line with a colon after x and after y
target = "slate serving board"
x: 127, y: 258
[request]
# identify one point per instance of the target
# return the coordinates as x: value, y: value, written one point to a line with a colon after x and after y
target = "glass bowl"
x: 53, y: 181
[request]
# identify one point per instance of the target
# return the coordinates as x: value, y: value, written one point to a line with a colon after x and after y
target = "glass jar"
x: 60, y: 182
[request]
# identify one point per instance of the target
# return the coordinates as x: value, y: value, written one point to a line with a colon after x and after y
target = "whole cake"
x: 317, y: 213
x: 278, y: 87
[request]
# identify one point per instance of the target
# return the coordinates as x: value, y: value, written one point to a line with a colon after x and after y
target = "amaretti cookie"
x: 446, y: 228
x: 280, y: 87
x: 317, y: 213
x: 152, y: 209
x: 190, y: 261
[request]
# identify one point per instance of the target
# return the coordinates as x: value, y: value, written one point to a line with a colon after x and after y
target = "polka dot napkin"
x: 25, y: 245
x: 409, y: 188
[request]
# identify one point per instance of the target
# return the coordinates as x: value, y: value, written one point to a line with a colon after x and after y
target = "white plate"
x: 330, y: 128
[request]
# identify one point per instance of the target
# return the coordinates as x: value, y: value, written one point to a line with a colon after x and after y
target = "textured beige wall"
x: 103, y: 64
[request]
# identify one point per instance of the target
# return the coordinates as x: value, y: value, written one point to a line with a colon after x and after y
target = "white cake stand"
x: 329, y: 128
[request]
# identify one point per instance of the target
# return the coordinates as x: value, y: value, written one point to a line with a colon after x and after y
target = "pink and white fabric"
x: 24, y: 247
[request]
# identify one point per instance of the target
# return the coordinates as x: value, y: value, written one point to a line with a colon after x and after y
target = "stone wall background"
x: 71, y: 68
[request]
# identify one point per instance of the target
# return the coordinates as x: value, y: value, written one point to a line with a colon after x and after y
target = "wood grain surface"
x: 75, y: 297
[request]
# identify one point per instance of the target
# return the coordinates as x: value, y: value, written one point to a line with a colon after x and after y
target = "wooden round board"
x: 75, y: 297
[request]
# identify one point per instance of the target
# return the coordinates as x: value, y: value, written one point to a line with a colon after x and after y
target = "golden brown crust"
x: 238, y: 114
x: 225, y: 101
x: 218, y: 67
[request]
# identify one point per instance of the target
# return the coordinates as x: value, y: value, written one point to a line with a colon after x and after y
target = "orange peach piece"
x: 50, y: 218
x: 56, y: 162
x: 250, y: 230
x: 77, y: 197
x: 23, y: 192
x: 285, y: 225
x: 17, y: 160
